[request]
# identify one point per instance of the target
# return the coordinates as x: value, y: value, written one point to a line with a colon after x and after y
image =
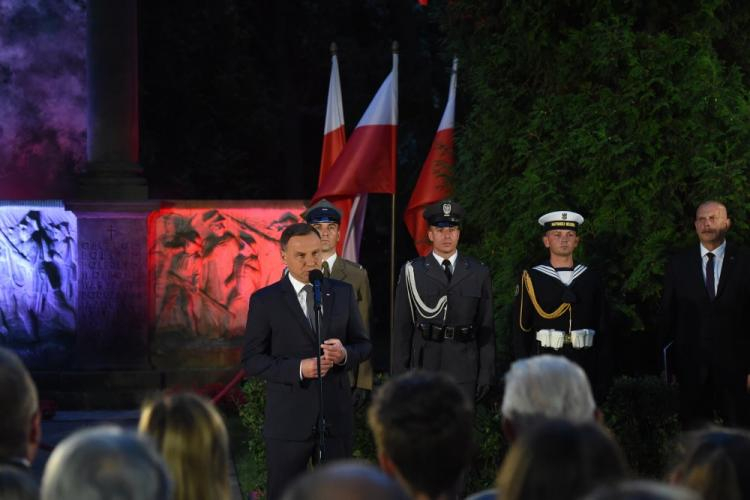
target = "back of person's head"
x: 105, y: 463
x: 717, y: 464
x: 545, y: 387
x: 642, y: 489
x: 423, y: 427
x: 560, y: 460
x: 191, y: 436
x: 345, y: 480
x: 19, y: 425
x: 17, y: 484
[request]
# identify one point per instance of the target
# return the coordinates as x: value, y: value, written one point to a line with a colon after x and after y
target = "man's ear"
x: 35, y: 436
x: 598, y: 416
x: 387, y: 465
x: 729, y: 224
x: 508, y: 430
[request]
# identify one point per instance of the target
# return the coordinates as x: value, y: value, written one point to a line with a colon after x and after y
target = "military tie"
x: 326, y: 269
x: 710, y: 280
x: 310, y: 301
x: 447, y: 269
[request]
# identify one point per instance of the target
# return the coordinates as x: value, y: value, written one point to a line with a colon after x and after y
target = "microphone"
x: 316, y: 277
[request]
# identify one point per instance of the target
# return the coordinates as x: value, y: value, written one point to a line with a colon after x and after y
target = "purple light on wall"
x: 42, y: 97
x: 38, y: 281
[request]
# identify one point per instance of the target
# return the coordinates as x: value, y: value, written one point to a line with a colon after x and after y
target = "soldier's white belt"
x: 556, y: 339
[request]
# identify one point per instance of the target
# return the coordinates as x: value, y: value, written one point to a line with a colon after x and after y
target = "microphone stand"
x: 321, y: 413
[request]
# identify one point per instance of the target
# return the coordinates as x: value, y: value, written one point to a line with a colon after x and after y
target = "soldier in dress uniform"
x: 443, y: 312
x: 560, y: 306
x: 326, y: 218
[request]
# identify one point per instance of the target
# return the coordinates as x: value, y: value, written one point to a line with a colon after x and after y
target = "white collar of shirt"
x: 718, y: 251
x: 297, y: 284
x: 331, y: 261
x: 452, y: 259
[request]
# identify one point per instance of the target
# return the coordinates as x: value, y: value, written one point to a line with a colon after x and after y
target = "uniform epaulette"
x: 353, y: 264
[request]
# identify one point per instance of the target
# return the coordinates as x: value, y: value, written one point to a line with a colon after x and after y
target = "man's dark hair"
x: 422, y: 422
x: 19, y: 403
x: 299, y: 229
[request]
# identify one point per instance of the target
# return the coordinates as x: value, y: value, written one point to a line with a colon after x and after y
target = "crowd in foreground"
x: 422, y: 425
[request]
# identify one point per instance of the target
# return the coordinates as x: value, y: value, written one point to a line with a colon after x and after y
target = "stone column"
x: 112, y: 171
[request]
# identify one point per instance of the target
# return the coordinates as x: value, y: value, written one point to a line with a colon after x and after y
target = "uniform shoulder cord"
x: 528, y: 285
x: 415, y: 301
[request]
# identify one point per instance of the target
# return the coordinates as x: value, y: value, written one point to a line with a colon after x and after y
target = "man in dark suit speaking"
x: 706, y: 303
x: 281, y: 348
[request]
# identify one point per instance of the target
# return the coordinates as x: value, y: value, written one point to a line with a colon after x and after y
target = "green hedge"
x: 629, y: 112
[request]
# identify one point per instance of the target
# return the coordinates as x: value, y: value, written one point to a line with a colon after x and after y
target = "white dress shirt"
x: 452, y: 260
x: 331, y: 261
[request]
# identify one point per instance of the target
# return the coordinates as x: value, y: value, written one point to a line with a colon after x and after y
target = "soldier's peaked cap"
x: 445, y: 213
x: 322, y: 211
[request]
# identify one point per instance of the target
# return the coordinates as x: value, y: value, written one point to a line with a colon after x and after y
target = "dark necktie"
x: 326, y: 269
x: 710, y: 280
x: 447, y: 269
x: 310, y: 301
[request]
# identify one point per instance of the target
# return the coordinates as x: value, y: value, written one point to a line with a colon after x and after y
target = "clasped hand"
x: 333, y: 352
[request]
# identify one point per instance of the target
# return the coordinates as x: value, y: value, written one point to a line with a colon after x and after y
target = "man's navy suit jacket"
x: 278, y: 336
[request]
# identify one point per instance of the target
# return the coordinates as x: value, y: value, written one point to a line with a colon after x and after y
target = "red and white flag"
x: 334, y: 135
x: 367, y: 163
x: 433, y: 183
x: 334, y: 139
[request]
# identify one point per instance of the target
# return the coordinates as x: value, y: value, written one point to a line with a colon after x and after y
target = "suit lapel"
x: 290, y: 298
x: 726, y: 268
x: 696, y: 268
x: 328, y: 299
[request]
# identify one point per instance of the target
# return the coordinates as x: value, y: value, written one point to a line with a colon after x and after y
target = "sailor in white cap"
x: 560, y: 305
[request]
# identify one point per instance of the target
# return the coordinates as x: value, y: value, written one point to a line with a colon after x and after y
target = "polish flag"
x: 433, y: 183
x: 334, y: 139
x: 368, y: 162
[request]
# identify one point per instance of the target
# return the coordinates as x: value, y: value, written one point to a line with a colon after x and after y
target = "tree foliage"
x: 629, y: 112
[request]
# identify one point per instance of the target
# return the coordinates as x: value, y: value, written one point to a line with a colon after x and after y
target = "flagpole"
x: 393, y: 211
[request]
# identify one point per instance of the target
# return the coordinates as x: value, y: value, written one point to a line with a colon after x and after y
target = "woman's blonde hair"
x: 191, y: 436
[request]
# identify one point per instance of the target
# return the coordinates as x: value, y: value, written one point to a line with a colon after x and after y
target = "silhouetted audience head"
x: 20, y: 424
x: 191, y: 436
x: 545, y: 387
x: 716, y: 464
x: 642, y: 489
x: 345, y: 480
x: 105, y: 463
x: 423, y: 426
x: 16, y: 484
x: 560, y: 460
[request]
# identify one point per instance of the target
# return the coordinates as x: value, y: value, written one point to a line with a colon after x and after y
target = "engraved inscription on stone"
x: 113, y: 305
